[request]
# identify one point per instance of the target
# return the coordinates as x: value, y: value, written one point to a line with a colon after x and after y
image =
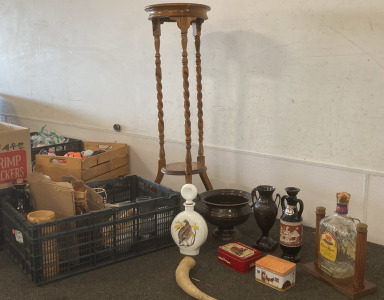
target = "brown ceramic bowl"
x: 225, y: 208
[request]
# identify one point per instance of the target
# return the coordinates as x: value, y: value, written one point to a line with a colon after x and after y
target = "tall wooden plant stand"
x: 185, y: 15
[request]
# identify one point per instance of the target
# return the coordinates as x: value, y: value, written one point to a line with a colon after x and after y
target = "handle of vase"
x: 254, y: 195
x: 278, y: 196
x: 301, y: 207
x: 283, y: 206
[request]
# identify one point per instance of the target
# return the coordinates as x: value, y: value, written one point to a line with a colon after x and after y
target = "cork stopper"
x: 343, y: 197
x: 362, y: 227
x: 320, y: 210
x: 19, y: 182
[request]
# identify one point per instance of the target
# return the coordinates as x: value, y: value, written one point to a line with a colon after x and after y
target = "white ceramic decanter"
x: 189, y: 229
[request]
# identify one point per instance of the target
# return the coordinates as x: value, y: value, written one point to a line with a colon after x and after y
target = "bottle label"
x: 328, y: 246
x: 342, y: 208
x: 289, y: 210
x: 13, y: 163
x: 18, y: 236
x: 291, y: 233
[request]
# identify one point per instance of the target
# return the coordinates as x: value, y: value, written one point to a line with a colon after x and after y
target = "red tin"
x: 238, y: 256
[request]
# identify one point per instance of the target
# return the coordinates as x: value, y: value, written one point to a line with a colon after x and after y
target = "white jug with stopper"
x: 189, y: 229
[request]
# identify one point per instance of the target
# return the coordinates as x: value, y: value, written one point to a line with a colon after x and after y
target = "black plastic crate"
x: 51, y: 251
x: 5, y: 194
x: 73, y: 145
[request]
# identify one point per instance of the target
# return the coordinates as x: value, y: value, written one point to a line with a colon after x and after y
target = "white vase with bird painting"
x: 189, y: 229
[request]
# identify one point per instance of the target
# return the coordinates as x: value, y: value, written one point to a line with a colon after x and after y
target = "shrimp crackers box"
x: 15, y: 154
x: 238, y: 256
x: 275, y: 272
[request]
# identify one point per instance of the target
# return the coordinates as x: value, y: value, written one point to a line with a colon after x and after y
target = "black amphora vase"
x: 265, y: 211
x: 291, y: 225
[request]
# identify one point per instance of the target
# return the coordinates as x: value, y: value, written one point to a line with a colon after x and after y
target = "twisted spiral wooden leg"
x: 159, y: 87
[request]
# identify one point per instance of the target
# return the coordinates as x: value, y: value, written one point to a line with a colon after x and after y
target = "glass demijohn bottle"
x: 338, y: 241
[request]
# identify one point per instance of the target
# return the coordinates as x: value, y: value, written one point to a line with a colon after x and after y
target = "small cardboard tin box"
x: 238, y: 256
x: 275, y: 272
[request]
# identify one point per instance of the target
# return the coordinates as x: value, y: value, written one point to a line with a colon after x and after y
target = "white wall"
x: 292, y: 90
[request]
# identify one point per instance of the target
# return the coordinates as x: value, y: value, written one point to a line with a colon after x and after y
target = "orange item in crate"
x: 75, y: 154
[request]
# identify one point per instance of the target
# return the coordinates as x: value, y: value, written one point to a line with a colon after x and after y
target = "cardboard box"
x: 112, y: 163
x: 59, y: 197
x: 15, y: 154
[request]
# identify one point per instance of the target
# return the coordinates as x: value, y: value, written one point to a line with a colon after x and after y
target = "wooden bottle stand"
x: 355, y: 286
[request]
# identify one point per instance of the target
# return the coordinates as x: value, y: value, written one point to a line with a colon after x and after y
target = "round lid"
x: 41, y: 216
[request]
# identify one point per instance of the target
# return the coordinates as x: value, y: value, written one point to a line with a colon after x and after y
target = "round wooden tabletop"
x: 178, y: 168
x: 169, y: 10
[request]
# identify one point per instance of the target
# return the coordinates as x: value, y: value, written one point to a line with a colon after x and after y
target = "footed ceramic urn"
x: 189, y: 229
